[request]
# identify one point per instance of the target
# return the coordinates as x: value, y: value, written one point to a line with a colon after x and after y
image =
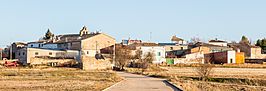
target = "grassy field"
x: 55, y: 79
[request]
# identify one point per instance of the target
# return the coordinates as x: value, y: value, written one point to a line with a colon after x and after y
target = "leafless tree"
x: 122, y: 56
x: 195, y: 40
x: 136, y: 58
x: 204, y: 69
x: 148, y: 58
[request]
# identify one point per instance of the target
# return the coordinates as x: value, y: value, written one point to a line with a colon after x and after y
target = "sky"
x: 28, y: 20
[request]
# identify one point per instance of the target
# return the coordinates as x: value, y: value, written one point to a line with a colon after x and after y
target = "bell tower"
x: 84, y: 31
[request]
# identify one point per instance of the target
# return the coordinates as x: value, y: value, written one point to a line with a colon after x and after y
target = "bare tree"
x: 195, y: 40
x: 148, y: 58
x: 136, y: 58
x: 204, y: 69
x: 122, y: 56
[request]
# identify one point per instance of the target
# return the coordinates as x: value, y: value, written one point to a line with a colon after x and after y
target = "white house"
x: 158, y: 51
x: 218, y: 42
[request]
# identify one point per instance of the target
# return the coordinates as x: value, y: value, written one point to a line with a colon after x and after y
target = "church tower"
x: 84, y: 31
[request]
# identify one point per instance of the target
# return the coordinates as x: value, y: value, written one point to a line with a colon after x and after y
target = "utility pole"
x: 114, y: 55
x: 10, y: 52
x: 96, y: 47
x: 1, y: 56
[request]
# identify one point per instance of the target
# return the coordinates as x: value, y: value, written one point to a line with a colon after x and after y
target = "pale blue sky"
x: 28, y: 20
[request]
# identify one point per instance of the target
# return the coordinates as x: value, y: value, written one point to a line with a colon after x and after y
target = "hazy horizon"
x: 227, y: 20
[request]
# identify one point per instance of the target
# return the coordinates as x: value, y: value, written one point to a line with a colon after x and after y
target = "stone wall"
x: 91, y: 63
x: 46, y: 61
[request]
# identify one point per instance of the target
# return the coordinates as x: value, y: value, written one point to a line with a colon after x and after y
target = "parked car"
x: 13, y: 63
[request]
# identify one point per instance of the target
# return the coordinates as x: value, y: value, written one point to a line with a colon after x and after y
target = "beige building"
x: 175, y: 47
x: 26, y: 55
x: 251, y: 51
x: 69, y: 46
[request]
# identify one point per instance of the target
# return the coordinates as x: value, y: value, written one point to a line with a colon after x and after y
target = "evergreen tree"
x: 48, y: 35
x: 263, y: 43
x: 244, y: 39
x: 258, y: 43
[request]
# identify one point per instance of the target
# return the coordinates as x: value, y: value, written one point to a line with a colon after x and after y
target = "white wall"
x: 218, y: 43
x: 156, y: 50
x: 43, y: 45
x: 231, y: 55
x: 50, y: 46
x: 34, y: 52
x: 35, y: 45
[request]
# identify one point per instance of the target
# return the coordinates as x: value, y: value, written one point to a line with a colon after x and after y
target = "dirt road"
x: 135, y: 82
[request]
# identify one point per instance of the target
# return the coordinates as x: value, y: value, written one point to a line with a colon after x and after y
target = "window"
x: 23, y: 53
x: 231, y: 60
x: 159, y: 53
x: 182, y: 48
x: 36, y: 53
x: 171, y: 48
x: 50, y: 53
x: 39, y: 45
x: 87, y: 52
x: 18, y: 54
x: 31, y: 45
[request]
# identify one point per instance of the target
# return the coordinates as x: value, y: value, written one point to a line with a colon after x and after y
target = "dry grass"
x: 222, y: 79
x: 249, y: 73
x: 190, y: 85
x: 246, y: 65
x: 242, y: 65
x: 55, y: 79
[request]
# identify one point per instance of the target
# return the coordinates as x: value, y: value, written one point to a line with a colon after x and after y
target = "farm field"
x: 55, y: 79
x: 251, y: 73
x: 228, y: 79
x: 220, y: 79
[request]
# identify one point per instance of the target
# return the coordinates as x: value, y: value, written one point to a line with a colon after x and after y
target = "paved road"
x: 135, y: 82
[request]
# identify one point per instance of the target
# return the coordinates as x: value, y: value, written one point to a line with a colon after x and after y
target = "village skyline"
x: 133, y: 45
x: 28, y: 20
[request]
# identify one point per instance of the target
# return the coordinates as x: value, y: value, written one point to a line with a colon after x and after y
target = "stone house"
x: 16, y: 46
x: 158, y: 51
x: 251, y: 51
x: 218, y: 42
x: 84, y: 44
x: 174, y: 50
x: 208, y: 48
x: 28, y: 55
x: 130, y: 41
x: 226, y: 57
x: 177, y: 40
